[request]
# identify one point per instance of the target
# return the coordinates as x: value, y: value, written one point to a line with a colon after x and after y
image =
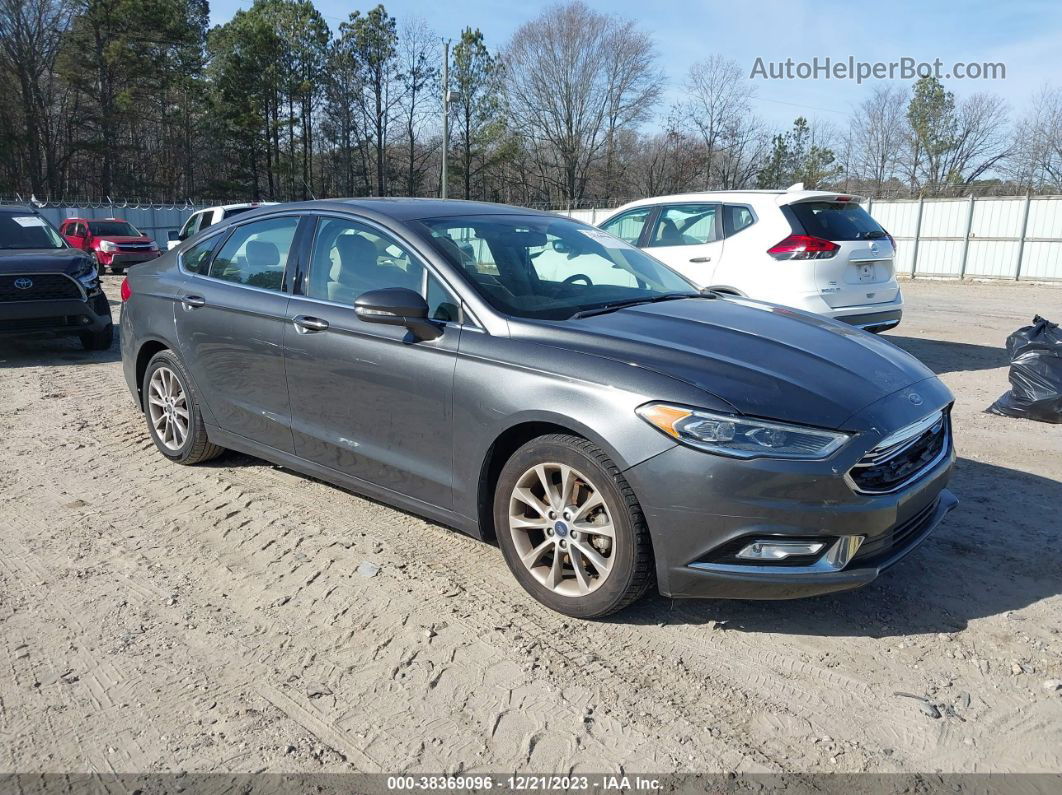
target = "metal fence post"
x: 966, y: 239
x: 1021, y: 240
x: 917, y: 236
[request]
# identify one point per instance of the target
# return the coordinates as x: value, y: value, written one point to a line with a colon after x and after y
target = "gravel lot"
x: 156, y: 617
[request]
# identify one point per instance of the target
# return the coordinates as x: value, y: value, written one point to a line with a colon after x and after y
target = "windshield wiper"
x: 612, y: 307
x: 874, y: 234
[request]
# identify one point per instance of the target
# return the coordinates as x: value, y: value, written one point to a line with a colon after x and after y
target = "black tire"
x: 98, y: 340
x: 196, y: 447
x: 632, y: 573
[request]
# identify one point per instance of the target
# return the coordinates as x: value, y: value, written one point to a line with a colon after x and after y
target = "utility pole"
x: 445, y: 114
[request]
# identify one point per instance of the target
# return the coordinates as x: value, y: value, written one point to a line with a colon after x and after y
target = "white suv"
x: 201, y: 219
x: 812, y: 250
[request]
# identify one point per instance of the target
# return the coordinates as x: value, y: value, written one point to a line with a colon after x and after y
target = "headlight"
x: 107, y: 245
x: 85, y: 273
x: 153, y: 246
x: 741, y: 437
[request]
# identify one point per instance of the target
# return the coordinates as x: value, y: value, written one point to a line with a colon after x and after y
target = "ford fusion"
x: 533, y: 380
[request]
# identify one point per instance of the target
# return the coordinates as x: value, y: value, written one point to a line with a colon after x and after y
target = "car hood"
x: 41, y: 260
x: 764, y: 360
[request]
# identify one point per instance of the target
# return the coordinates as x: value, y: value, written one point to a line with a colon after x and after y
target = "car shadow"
x: 987, y: 558
x: 52, y: 351
x: 942, y: 356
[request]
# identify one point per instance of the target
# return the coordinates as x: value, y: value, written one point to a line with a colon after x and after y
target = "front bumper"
x: 701, y: 508
x: 125, y: 259
x: 57, y: 318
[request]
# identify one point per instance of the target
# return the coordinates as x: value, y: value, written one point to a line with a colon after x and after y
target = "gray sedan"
x: 529, y: 379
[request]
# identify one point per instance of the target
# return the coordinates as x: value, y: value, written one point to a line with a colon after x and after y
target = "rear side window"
x: 837, y: 221
x: 256, y: 254
x: 686, y: 225
x: 205, y: 220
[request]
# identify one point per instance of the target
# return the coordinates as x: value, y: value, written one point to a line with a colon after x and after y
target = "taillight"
x: 891, y: 240
x: 803, y: 247
x: 127, y: 291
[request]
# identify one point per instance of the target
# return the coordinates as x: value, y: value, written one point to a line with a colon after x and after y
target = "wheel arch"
x: 147, y: 351
x: 512, y: 439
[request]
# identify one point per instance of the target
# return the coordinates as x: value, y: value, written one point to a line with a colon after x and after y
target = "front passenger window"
x: 256, y: 254
x: 350, y: 258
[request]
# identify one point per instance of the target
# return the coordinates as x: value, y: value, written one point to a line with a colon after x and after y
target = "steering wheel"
x: 576, y: 277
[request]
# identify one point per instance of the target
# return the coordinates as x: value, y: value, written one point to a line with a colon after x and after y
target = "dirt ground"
x: 157, y: 618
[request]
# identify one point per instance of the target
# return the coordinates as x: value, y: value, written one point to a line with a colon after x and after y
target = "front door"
x: 689, y: 238
x: 370, y: 400
x: 230, y: 324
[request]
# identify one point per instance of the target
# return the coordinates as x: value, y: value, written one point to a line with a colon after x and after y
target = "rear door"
x: 862, y: 271
x: 230, y: 325
x: 688, y: 238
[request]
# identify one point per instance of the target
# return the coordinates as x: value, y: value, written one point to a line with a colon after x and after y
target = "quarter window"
x: 256, y: 254
x: 441, y: 304
x: 197, y: 258
x: 629, y: 225
x: 350, y: 258
x: 735, y: 218
x: 686, y: 225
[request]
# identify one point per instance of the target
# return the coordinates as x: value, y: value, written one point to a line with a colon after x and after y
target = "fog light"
x: 780, y: 550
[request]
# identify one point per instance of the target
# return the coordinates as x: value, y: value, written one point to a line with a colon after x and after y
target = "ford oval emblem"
x: 915, y: 398
x: 23, y: 283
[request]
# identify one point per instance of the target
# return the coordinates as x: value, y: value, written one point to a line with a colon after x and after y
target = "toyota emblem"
x: 23, y: 283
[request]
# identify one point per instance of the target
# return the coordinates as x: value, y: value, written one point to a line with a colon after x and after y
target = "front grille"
x: 43, y: 287
x: 134, y: 246
x: 903, y: 457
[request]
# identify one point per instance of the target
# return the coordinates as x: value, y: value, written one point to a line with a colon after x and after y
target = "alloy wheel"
x: 168, y: 408
x: 562, y: 529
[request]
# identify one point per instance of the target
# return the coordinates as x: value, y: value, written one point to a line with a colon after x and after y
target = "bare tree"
x: 565, y: 85
x: 878, y: 131
x: 719, y: 97
x: 1035, y: 162
x: 419, y: 58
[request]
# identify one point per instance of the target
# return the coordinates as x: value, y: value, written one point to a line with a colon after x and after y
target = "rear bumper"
x: 65, y: 317
x: 871, y: 317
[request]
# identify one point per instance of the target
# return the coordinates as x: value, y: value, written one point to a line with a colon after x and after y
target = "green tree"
x: 797, y: 156
x: 931, y: 114
x: 479, y: 126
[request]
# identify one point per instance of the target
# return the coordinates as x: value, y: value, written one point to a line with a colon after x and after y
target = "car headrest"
x: 356, y: 255
x: 262, y: 254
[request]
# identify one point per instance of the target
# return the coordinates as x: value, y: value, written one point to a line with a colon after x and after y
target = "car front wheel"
x: 171, y: 407
x: 570, y: 528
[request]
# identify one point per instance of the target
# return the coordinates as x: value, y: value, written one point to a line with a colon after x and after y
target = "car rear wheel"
x: 171, y: 407
x: 570, y: 528
x: 98, y: 340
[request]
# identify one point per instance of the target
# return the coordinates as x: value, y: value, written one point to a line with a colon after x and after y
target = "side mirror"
x: 397, y: 306
x: 561, y: 247
x: 173, y: 235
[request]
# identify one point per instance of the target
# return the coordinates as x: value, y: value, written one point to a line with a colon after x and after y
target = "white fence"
x: 1013, y: 237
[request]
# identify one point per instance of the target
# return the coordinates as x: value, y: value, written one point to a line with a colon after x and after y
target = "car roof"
x: 793, y: 195
x: 402, y: 209
x: 17, y: 209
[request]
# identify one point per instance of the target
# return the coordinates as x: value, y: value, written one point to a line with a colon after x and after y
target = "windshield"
x: 113, y: 229
x: 837, y: 221
x: 550, y: 268
x: 28, y: 231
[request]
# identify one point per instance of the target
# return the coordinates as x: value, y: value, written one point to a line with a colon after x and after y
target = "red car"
x: 109, y: 241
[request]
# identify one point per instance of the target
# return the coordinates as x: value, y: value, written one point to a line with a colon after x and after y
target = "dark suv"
x: 47, y: 287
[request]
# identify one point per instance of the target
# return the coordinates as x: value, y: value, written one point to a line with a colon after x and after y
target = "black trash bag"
x: 1035, y: 374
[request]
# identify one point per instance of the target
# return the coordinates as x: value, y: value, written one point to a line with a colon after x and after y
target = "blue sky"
x: 1025, y: 35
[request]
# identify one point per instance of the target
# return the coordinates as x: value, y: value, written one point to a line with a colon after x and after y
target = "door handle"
x: 193, y: 301
x: 701, y: 259
x: 307, y: 325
